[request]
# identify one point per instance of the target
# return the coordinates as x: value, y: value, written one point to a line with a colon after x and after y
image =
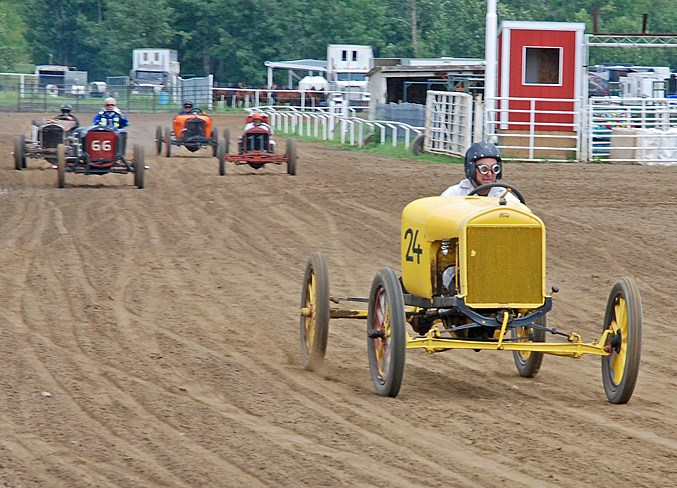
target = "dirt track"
x: 164, y: 324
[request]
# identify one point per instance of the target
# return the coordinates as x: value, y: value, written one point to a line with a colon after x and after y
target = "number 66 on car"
x: 494, y: 250
x: 99, y: 150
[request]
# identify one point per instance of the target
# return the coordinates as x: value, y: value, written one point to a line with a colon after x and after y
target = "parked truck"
x: 154, y: 70
x: 58, y: 80
x: 347, y: 68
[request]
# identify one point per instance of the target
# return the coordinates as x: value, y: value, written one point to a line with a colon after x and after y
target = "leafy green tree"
x: 232, y: 39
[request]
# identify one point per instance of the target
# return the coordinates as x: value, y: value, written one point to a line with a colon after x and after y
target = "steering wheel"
x: 497, y: 184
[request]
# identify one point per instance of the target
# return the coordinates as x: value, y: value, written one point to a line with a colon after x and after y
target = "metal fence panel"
x: 408, y: 113
x: 448, y: 123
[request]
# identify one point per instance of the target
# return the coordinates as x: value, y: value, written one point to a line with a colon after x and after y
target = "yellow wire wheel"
x: 623, y: 318
x: 314, y: 323
x: 386, y: 333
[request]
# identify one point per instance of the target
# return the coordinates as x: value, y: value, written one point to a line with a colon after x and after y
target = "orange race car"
x: 192, y: 131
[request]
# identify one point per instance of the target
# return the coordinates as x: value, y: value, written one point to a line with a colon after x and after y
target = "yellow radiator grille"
x: 504, y: 266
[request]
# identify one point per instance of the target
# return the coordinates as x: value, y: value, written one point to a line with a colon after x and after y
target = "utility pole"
x: 490, y: 59
x: 414, y: 30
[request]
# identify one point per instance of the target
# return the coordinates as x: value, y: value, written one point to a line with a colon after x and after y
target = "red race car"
x: 256, y: 147
x: 98, y: 151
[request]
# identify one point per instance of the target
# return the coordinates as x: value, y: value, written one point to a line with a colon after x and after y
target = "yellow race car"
x: 473, y: 277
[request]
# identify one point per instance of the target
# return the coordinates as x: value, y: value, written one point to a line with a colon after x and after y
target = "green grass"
x: 379, y: 149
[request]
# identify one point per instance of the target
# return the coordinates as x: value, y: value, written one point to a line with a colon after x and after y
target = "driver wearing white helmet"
x: 111, y: 115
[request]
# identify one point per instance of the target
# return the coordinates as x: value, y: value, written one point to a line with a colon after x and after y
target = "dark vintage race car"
x: 46, y: 135
x: 98, y: 151
x: 192, y: 131
x: 256, y: 148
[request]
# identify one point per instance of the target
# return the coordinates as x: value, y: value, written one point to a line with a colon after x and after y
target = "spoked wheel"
x: 139, y: 166
x: 529, y: 363
x: 61, y: 165
x: 158, y: 140
x: 624, y: 318
x: 20, y: 153
x: 417, y: 144
x: 291, y: 157
x: 386, y: 333
x: 215, y: 142
x: 315, y: 321
x: 168, y: 143
x: 221, y: 154
x: 226, y: 137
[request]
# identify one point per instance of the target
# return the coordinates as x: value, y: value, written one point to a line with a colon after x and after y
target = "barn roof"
x: 406, y: 67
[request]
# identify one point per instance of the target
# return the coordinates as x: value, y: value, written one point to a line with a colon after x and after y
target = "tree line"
x: 232, y: 39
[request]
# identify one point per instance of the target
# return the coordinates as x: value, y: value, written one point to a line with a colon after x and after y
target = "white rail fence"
x: 633, y: 130
x: 338, y: 123
x: 601, y: 129
x: 535, y: 129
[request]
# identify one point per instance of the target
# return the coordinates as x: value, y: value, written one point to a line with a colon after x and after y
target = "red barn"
x: 540, y: 69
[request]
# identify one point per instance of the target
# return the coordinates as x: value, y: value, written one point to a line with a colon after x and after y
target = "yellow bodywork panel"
x: 499, y: 249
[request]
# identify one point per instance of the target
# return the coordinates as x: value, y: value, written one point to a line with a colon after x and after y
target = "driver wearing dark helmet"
x: 188, y: 108
x: 66, y: 114
x: 483, y: 165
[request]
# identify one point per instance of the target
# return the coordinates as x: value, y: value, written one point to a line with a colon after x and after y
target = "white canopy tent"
x: 309, y: 66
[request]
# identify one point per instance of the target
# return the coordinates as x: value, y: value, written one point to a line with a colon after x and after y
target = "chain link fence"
x: 22, y: 93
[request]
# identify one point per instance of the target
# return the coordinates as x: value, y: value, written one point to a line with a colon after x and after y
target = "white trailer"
x: 645, y: 84
x: 155, y: 70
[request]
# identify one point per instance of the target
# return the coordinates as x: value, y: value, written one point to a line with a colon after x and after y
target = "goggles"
x: 484, y: 169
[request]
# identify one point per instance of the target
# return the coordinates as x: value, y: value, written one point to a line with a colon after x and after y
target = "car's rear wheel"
x: 215, y: 141
x: 61, y: 165
x: 624, y: 318
x: 291, y: 157
x: 386, y: 333
x: 221, y: 154
x: 314, y: 324
x: 528, y: 363
x: 158, y: 140
x: 139, y: 166
x: 20, y: 153
x: 226, y: 137
x: 168, y: 143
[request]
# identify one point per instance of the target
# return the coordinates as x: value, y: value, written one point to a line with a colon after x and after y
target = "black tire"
x: 314, y: 326
x: 61, y: 166
x: 624, y: 317
x: 20, y: 153
x: 386, y: 333
x: 221, y: 154
x: 215, y: 141
x: 158, y: 140
x: 139, y: 166
x: 168, y: 143
x: 226, y: 137
x: 528, y: 363
x: 291, y: 157
x: 417, y: 144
